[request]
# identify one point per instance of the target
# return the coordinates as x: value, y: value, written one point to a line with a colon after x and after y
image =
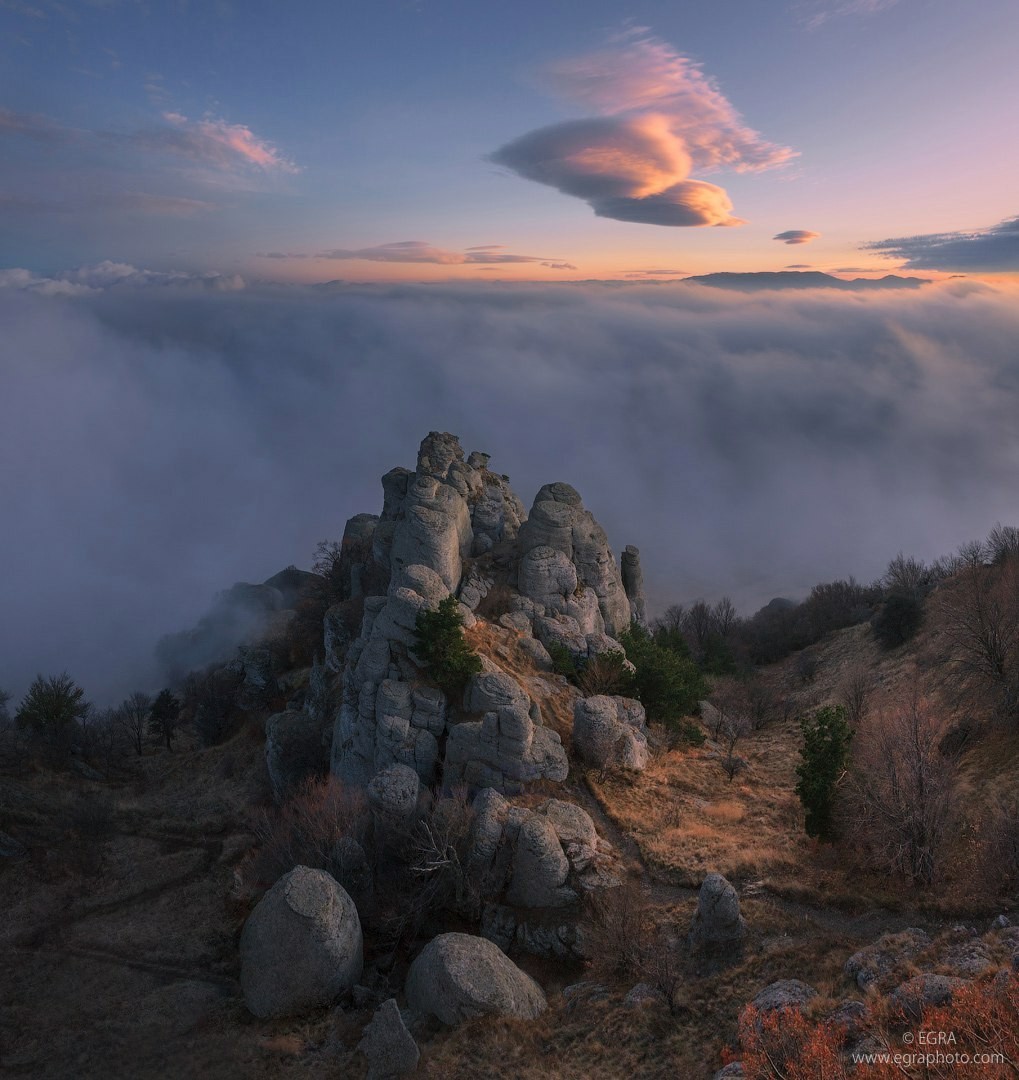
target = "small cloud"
x: 991, y: 250
x: 796, y: 236
x: 215, y: 143
x: 816, y: 13
x: 799, y: 266
x: 559, y: 265
x: 661, y: 117
x: 31, y: 125
x: 417, y: 251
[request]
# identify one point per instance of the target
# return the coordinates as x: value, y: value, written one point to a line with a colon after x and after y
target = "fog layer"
x: 159, y: 442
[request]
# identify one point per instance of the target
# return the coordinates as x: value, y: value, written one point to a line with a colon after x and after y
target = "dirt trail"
x: 866, y: 926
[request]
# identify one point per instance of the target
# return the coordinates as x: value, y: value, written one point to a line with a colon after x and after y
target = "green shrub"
x: 442, y: 650
x: 51, y: 712
x: 899, y: 619
x: 825, y: 753
x: 666, y: 682
x: 562, y: 661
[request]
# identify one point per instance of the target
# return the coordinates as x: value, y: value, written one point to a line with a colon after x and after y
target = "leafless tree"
x: 700, y: 624
x: 907, y: 575
x: 855, y: 693
x: 133, y: 713
x: 979, y: 618
x: 725, y: 617
x: 734, y: 729
x: 1003, y: 543
x: 904, y: 790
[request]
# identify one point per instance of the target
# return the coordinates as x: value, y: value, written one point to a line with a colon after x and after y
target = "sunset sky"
x: 468, y: 139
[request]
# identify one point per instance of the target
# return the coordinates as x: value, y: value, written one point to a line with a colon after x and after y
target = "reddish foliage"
x: 982, y: 1022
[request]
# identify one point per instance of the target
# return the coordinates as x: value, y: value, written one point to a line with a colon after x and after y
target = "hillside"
x: 443, y: 731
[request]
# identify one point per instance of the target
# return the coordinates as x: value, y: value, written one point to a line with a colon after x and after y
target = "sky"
x: 251, y: 254
x: 434, y: 140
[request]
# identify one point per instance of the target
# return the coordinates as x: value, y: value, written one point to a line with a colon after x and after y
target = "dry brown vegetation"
x: 123, y: 919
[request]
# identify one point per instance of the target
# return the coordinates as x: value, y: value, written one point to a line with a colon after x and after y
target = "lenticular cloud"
x: 662, y: 118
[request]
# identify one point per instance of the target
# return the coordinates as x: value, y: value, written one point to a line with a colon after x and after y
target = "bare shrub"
x: 620, y: 931
x: 626, y: 942
x: 979, y: 622
x: 605, y: 673
x: 733, y: 731
x: 304, y: 831
x: 431, y: 873
x: 855, y: 693
x: 904, y: 790
x: 1001, y: 840
x: 807, y: 665
x: 133, y: 715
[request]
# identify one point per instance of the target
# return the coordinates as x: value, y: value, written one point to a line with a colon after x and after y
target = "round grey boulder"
x: 393, y: 792
x: 457, y: 977
x: 301, y: 946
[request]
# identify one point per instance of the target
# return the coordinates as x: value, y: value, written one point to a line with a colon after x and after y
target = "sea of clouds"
x: 162, y: 436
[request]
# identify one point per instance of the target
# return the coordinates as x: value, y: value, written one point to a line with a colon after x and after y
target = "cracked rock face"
x: 559, y: 521
x: 608, y: 732
x: 301, y: 945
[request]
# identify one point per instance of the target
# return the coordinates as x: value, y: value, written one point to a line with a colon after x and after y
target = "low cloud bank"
x: 160, y: 443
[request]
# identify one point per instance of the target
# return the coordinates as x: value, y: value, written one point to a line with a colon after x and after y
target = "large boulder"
x: 301, y: 946
x: 457, y: 977
x: 608, y: 732
x: 388, y: 1045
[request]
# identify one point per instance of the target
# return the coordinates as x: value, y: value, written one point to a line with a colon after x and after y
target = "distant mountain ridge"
x: 802, y: 279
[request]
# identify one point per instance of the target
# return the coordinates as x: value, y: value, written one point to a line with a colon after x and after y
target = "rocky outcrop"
x: 559, y: 521
x: 922, y: 992
x: 718, y: 926
x: 296, y: 748
x: 532, y: 864
x: 448, y: 527
x: 873, y: 964
x: 301, y: 946
x: 388, y: 1045
x: 457, y: 977
x: 508, y: 747
x: 609, y: 732
x: 633, y: 584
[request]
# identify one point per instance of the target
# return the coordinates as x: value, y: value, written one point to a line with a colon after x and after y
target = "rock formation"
x: 453, y: 526
x: 609, y: 732
x: 301, y: 946
x: 388, y: 1045
x: 718, y: 925
x: 457, y: 977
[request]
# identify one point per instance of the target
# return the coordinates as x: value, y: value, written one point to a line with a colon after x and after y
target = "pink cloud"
x: 661, y: 118
x: 797, y: 236
x: 217, y: 143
